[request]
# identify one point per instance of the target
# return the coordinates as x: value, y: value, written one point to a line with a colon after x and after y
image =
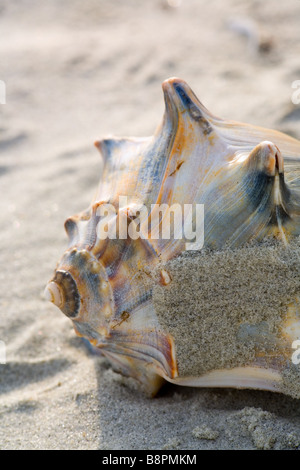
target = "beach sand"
x: 74, y: 72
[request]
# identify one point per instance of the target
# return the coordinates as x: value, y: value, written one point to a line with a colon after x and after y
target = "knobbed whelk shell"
x: 221, y: 310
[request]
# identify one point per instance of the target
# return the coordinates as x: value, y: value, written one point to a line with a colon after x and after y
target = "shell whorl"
x: 63, y: 292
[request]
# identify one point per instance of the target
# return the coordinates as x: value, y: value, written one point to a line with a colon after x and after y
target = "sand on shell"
x: 228, y: 308
x: 75, y: 71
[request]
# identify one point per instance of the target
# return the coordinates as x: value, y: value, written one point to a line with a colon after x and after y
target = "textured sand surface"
x: 76, y: 71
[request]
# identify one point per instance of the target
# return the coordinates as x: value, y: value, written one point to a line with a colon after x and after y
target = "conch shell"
x: 222, y: 311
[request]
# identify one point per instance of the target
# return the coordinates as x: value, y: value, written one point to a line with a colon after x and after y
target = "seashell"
x: 221, y: 310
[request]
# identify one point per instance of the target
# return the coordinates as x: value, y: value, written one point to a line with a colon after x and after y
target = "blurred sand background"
x: 76, y: 71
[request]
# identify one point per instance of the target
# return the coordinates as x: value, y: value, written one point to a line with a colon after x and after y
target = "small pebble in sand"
x: 172, y: 443
x: 259, y: 424
x: 205, y: 432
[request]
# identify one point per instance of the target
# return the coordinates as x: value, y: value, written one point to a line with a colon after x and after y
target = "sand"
x: 226, y: 308
x: 74, y: 72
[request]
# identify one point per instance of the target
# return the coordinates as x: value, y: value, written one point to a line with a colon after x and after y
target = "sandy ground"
x: 76, y: 71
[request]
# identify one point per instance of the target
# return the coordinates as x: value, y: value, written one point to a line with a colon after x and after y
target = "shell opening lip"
x: 171, y: 105
x: 175, y: 89
x: 171, y: 82
x: 179, y: 98
x: 273, y: 158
